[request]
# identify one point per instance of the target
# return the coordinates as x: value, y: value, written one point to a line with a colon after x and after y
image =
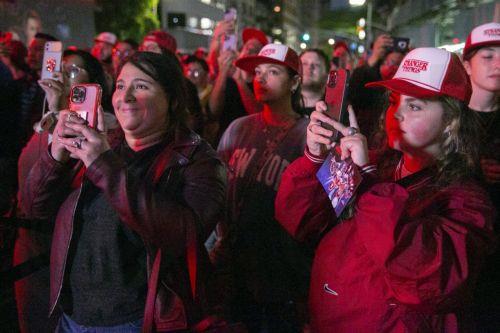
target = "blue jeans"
x: 67, y: 325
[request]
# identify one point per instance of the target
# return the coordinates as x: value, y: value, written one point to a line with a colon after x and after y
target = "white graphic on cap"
x: 274, y: 51
x: 425, y: 67
x: 415, y: 65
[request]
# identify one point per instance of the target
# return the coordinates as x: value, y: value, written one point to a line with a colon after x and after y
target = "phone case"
x: 85, y: 99
x: 400, y: 44
x: 336, y: 98
x: 52, y: 56
x: 230, y: 43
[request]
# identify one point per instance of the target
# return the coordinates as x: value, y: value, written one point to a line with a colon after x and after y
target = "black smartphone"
x: 336, y: 98
x: 400, y: 44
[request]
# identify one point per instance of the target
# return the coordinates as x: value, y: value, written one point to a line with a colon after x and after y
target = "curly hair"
x: 460, y: 142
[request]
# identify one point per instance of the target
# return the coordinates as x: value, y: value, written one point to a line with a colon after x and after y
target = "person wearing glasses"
x: 123, y: 50
x: 196, y: 70
x: 32, y: 292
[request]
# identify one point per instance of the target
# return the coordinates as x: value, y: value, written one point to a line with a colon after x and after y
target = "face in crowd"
x: 140, y: 103
x: 32, y: 27
x: 74, y: 72
x: 121, y: 51
x: 484, y: 68
x: 251, y: 47
x: 35, y: 53
x: 343, y: 57
x: 102, y: 50
x: 150, y: 46
x: 414, y: 125
x: 274, y: 83
x: 195, y: 72
x: 390, y: 65
x: 314, y: 71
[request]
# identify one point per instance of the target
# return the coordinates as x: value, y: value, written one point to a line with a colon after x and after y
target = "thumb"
x: 101, y: 125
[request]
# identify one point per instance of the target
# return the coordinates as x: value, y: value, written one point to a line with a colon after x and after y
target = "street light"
x: 369, y: 12
x: 357, y: 3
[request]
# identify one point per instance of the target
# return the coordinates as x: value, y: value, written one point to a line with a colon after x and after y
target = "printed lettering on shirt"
x: 239, y: 161
x: 415, y: 65
x: 269, y: 174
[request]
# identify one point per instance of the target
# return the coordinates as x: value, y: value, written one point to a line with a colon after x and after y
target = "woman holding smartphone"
x: 131, y: 215
x: 270, y: 272
x: 406, y: 257
x: 32, y: 292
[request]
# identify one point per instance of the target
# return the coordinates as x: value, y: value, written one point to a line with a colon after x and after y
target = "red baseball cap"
x: 429, y: 72
x: 272, y: 53
x: 249, y: 33
x: 106, y: 37
x: 163, y: 39
x: 483, y: 35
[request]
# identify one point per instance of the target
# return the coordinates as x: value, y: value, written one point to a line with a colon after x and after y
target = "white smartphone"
x: 230, y: 43
x: 52, y: 57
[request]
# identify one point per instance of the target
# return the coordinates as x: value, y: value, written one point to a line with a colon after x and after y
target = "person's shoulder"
x: 244, y: 121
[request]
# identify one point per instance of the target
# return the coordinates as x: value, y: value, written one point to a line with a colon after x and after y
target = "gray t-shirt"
x: 268, y: 261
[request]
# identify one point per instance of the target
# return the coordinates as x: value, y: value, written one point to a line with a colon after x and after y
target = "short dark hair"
x: 47, y: 37
x: 166, y: 70
x: 320, y: 54
x: 96, y: 74
x: 192, y: 58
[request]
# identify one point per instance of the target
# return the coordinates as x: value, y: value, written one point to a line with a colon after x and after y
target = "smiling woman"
x: 153, y: 194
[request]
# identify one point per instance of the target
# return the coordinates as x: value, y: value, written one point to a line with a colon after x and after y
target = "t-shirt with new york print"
x: 270, y: 261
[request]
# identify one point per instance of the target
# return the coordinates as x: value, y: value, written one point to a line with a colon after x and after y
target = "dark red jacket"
x: 406, y: 261
x: 184, y: 191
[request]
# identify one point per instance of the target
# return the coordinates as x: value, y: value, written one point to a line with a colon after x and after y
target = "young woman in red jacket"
x: 406, y: 258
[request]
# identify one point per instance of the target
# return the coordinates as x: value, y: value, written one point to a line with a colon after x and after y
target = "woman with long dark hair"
x: 405, y: 257
x: 131, y: 214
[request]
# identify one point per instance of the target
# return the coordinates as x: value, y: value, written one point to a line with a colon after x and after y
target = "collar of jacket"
x: 178, y: 152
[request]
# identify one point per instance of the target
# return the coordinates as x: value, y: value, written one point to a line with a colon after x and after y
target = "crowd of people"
x: 194, y: 206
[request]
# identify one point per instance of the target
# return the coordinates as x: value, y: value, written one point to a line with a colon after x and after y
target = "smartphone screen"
x: 52, y: 56
x: 85, y: 99
x: 336, y: 98
x: 230, y: 14
x: 400, y: 44
x: 230, y: 43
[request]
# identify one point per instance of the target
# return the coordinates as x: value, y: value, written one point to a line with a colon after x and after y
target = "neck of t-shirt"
x: 276, y: 116
x: 483, y: 100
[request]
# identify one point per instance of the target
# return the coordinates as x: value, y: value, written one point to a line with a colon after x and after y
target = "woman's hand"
x: 54, y: 91
x: 225, y: 61
x: 319, y: 139
x: 87, y: 144
x: 382, y: 44
x: 62, y: 130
